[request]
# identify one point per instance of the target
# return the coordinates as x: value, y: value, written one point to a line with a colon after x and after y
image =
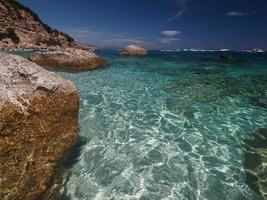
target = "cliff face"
x: 38, y: 123
x: 21, y: 28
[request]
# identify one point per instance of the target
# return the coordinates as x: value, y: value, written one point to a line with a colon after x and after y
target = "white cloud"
x: 177, y: 15
x: 108, y: 40
x: 238, y: 13
x: 170, y: 33
x: 169, y: 40
x: 103, y: 39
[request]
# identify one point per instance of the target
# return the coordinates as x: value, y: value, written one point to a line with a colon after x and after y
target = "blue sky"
x: 157, y: 24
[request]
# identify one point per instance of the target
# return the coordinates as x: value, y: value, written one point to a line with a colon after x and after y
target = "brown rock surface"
x: 25, y: 28
x: 75, y: 59
x: 38, y: 123
x: 133, y: 50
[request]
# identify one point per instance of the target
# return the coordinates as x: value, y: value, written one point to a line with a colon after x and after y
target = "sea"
x: 170, y: 126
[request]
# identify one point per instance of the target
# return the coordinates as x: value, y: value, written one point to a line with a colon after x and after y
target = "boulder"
x: 69, y: 58
x: 38, y: 124
x: 133, y: 50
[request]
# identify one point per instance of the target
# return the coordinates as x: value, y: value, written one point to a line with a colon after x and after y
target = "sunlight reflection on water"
x: 164, y: 127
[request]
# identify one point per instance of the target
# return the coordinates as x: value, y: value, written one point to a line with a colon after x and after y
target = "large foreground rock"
x: 38, y: 123
x: 69, y: 58
x: 133, y: 50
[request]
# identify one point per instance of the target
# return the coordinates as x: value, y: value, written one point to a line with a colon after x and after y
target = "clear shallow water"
x: 168, y: 126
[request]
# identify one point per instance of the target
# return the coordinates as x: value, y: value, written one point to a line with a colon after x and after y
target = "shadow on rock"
x: 74, y: 154
x: 69, y: 159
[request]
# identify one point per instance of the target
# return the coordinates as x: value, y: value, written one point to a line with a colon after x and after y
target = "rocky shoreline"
x: 10, y: 48
x: 21, y: 28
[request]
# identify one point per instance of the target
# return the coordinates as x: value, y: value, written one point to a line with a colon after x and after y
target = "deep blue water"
x: 170, y: 126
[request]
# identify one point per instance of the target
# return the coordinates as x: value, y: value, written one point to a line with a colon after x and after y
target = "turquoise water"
x: 167, y: 126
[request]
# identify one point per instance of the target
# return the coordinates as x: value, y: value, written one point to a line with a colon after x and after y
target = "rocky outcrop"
x: 133, y: 50
x: 74, y: 59
x: 25, y: 29
x: 38, y: 123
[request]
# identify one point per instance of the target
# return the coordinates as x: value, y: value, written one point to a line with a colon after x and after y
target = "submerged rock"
x: 230, y: 58
x: 255, y: 148
x: 74, y: 59
x: 38, y: 124
x: 225, y: 57
x: 190, y: 112
x: 133, y: 50
x: 260, y: 100
x: 207, y: 70
x: 219, y: 87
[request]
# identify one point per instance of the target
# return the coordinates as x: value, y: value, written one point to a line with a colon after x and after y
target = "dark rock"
x: 225, y: 57
x: 230, y: 58
x: 189, y: 112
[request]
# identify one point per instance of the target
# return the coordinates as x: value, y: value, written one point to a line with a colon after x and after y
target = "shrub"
x: 52, y: 42
x: 69, y: 38
x: 10, y: 33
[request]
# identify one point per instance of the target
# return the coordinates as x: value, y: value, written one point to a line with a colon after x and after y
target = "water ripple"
x: 151, y: 135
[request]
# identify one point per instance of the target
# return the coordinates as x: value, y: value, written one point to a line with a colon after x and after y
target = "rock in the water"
x: 38, y: 124
x: 226, y: 57
x: 133, y: 50
x: 74, y: 59
x: 230, y: 58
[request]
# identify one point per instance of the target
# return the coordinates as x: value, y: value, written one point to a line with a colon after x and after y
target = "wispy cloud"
x: 239, y: 13
x: 103, y: 39
x: 169, y: 40
x: 177, y: 15
x: 108, y: 40
x: 181, y: 7
x: 170, y: 33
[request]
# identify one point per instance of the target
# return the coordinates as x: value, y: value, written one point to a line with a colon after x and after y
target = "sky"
x: 158, y: 24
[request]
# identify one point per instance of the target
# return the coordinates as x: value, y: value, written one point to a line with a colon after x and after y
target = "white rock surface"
x: 133, y: 50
